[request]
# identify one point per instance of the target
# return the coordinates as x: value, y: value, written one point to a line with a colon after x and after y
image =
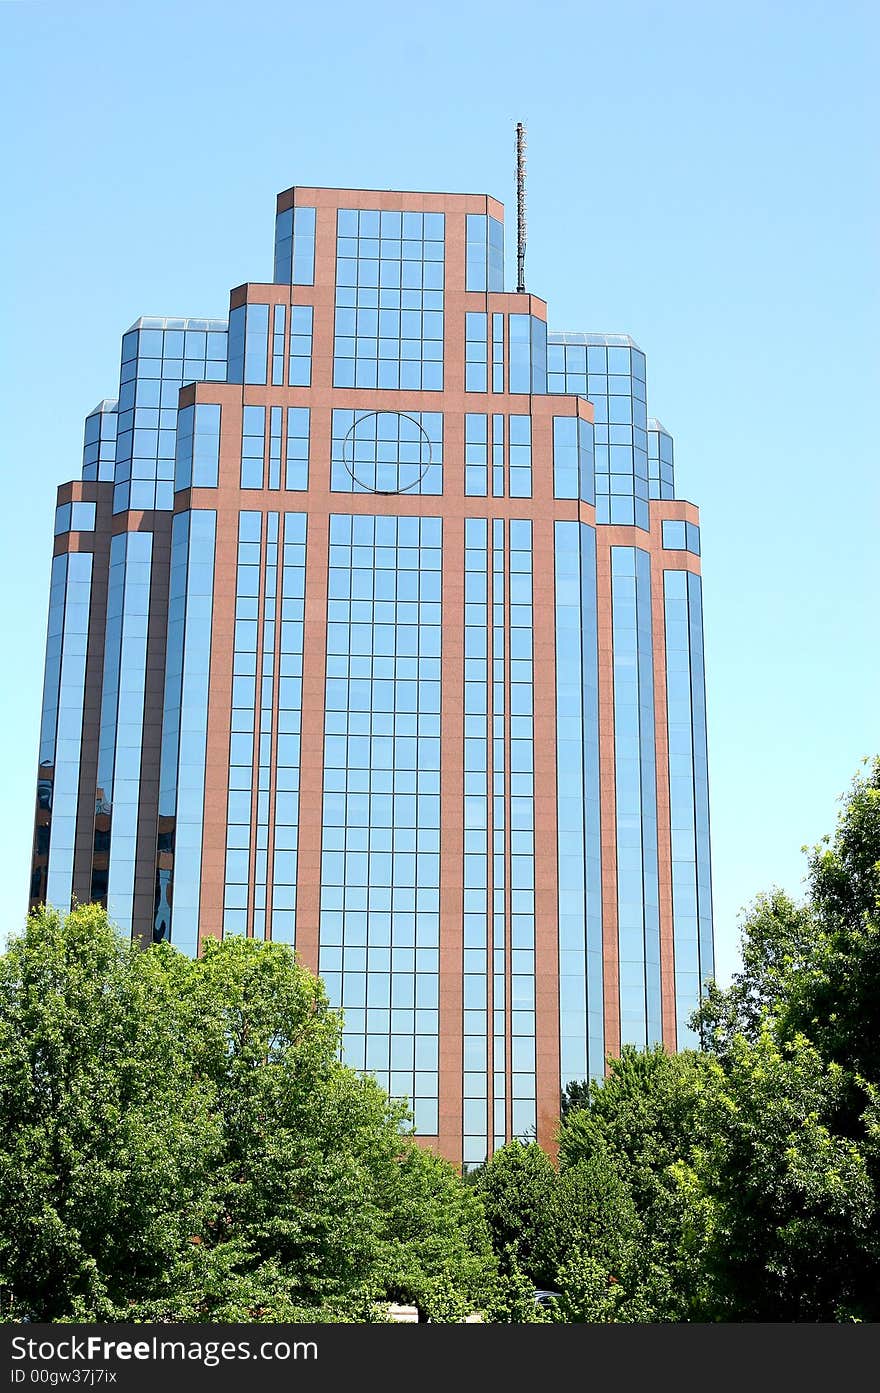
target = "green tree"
x: 179, y: 1140
x: 516, y: 1188
x: 437, y: 1250
x: 594, y: 1242
x: 545, y: 1226
x: 791, y: 1166
x: 105, y: 1134
x: 641, y: 1123
x: 789, y: 1201
x: 575, y: 1095
x: 815, y: 967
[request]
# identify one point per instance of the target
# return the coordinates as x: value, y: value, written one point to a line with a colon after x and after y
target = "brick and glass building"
x: 375, y: 628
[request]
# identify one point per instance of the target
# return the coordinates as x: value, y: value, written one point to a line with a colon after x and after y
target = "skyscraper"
x: 375, y: 628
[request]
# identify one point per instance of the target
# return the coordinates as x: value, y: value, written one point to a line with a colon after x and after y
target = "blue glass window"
x: 61, y: 727
x: 610, y: 370
x: 297, y: 469
x: 389, y: 300
x: 235, y: 361
x: 476, y: 352
x: 681, y: 536
x: 582, y: 1045
x: 295, y: 247
x: 498, y: 353
x: 301, y: 345
x: 158, y: 357
x: 248, y: 344
x: 184, y: 730
x: 122, y: 713
x: 476, y: 454
x: 275, y: 414
x: 253, y: 447
x: 256, y: 343
x: 279, y: 320
x: 75, y: 517
x: 520, y: 463
x: 573, y: 458
x: 244, y: 727
x: 387, y: 452
x: 528, y: 354
x: 484, y: 262
x: 197, y: 457
x: 638, y: 906
x: 379, y: 931
x: 688, y: 796
x: 661, y: 473
x: 99, y: 442
x: 285, y: 790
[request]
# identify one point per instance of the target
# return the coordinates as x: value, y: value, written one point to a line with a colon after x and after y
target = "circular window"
x: 387, y: 452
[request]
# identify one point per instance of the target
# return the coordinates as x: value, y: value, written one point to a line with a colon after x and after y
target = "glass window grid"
x: 527, y: 354
x: 301, y: 322
x: 484, y: 252
x: 582, y: 1041
x: 256, y: 344
x: 512, y: 478
x: 389, y: 300
x: 295, y: 247
x: 498, y: 661
x: 379, y: 935
x: 247, y: 644
x: 387, y: 451
x: 275, y: 415
x: 279, y: 323
x: 573, y: 465
x: 49, y: 713
x: 156, y: 361
x: 253, y: 447
x: 661, y: 471
x: 476, y: 450
x: 78, y: 516
x: 497, y: 352
x: 518, y: 947
x: 61, y: 729
x: 267, y: 633
x: 99, y: 443
x: 197, y: 449
x: 122, y: 713
x: 476, y: 352
x: 261, y: 456
x: 249, y: 344
x: 612, y: 376
x: 681, y: 536
x: 52, y: 670
x: 701, y: 777
x: 688, y: 796
x: 519, y: 456
x: 184, y: 729
x: 638, y: 907
x: 288, y: 750
x: 297, y: 458
x: 476, y: 823
x: 236, y: 342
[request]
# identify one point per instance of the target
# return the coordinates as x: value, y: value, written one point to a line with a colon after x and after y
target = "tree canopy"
x: 179, y: 1140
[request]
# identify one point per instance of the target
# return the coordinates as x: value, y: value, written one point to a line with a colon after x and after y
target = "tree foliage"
x: 743, y: 1179
x: 791, y: 1169
x: 178, y: 1140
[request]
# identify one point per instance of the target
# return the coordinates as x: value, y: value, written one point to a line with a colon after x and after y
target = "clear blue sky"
x: 701, y: 176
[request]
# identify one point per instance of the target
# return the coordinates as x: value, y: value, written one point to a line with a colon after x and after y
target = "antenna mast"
x: 520, y: 207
